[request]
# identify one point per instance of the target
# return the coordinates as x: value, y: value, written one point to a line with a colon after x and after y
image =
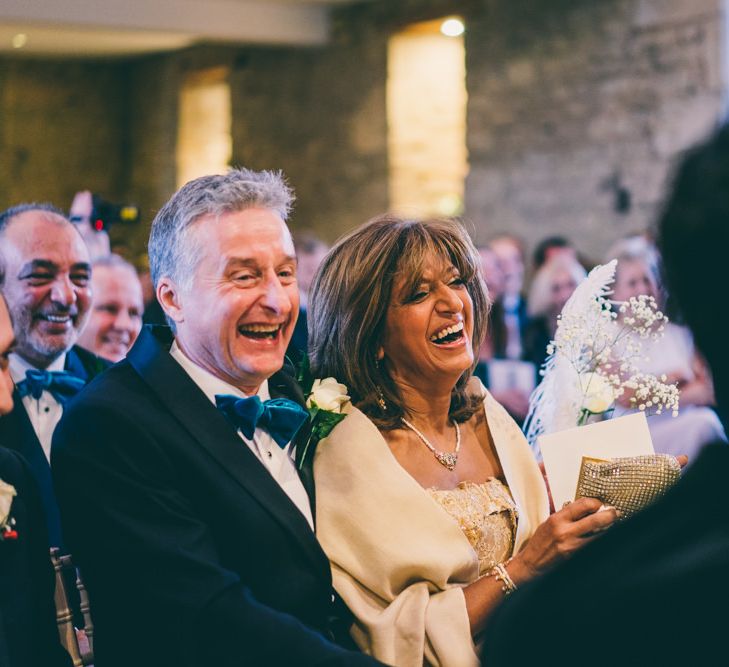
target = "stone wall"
x: 578, y: 108
x: 319, y: 115
x: 61, y: 130
x: 576, y: 111
x: 151, y: 134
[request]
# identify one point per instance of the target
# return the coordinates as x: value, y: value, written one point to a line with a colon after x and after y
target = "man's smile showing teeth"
x: 57, y: 319
x: 449, y: 334
x: 259, y: 330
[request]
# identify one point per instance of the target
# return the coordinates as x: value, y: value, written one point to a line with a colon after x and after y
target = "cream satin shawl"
x: 398, y: 559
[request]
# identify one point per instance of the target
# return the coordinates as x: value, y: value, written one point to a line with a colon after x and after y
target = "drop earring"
x: 380, y: 396
x: 381, y: 399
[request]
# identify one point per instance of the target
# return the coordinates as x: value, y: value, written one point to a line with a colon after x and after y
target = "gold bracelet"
x: 499, y: 573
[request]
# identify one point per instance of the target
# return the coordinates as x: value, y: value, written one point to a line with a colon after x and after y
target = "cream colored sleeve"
x: 398, y: 561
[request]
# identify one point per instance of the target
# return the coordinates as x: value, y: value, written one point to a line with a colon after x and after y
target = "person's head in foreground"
x: 45, y: 275
x: 224, y: 268
x: 116, y: 309
x: 693, y: 238
x: 399, y: 305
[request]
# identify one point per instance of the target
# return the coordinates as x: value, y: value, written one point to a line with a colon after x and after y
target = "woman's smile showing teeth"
x: 449, y: 335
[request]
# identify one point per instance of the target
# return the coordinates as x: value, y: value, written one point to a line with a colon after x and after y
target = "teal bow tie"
x: 281, y: 417
x: 60, y: 384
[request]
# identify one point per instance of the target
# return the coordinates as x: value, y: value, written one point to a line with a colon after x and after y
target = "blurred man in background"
x: 116, y: 310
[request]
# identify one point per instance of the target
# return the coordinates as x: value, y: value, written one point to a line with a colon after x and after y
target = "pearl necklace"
x: 447, y: 459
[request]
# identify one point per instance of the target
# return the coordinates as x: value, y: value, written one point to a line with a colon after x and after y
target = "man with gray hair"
x: 175, y: 470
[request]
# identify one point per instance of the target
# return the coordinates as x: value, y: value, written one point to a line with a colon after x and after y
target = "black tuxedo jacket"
x: 16, y: 432
x: 28, y: 632
x: 191, y: 552
x: 651, y: 591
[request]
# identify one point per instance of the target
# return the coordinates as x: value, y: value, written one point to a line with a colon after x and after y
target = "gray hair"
x: 634, y: 247
x: 171, y: 251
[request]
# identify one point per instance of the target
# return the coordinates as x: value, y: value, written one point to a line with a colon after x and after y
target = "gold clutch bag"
x: 629, y: 483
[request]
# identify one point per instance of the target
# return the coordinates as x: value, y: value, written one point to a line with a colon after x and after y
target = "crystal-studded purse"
x: 629, y: 483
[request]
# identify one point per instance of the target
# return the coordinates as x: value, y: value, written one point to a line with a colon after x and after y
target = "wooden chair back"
x: 81, y: 650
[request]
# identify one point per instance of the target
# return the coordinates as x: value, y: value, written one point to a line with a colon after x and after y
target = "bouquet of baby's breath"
x: 593, y: 359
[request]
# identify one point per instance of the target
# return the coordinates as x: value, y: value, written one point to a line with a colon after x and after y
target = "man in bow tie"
x: 44, y: 276
x: 179, y: 493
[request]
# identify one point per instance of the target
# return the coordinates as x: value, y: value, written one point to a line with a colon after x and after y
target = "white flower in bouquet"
x: 598, y: 394
x: 592, y: 359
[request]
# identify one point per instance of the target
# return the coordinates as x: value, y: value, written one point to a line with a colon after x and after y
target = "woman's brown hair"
x: 351, y: 294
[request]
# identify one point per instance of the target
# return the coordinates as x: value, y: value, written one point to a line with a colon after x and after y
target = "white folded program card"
x: 563, y: 451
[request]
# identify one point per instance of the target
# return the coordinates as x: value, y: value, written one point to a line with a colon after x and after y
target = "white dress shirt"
x: 44, y: 413
x: 277, y: 460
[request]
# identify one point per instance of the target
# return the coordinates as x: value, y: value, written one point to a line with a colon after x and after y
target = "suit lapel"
x: 189, y: 405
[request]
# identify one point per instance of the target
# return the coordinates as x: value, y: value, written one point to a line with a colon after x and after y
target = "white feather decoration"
x: 556, y: 403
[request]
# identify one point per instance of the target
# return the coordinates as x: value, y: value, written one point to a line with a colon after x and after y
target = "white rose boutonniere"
x: 325, y: 399
x: 328, y: 395
x: 7, y: 493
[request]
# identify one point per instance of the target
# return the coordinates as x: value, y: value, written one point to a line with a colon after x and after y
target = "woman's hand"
x: 563, y: 533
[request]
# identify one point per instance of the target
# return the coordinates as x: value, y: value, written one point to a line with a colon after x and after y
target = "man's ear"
x: 170, y: 298
x: 380, y: 353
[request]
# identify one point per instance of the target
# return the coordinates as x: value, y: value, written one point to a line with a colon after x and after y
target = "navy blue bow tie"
x: 61, y: 384
x: 281, y: 417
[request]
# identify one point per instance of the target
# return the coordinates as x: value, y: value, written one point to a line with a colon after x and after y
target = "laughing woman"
x: 428, y: 501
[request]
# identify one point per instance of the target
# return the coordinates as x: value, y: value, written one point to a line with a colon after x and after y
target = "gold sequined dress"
x: 487, y: 515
